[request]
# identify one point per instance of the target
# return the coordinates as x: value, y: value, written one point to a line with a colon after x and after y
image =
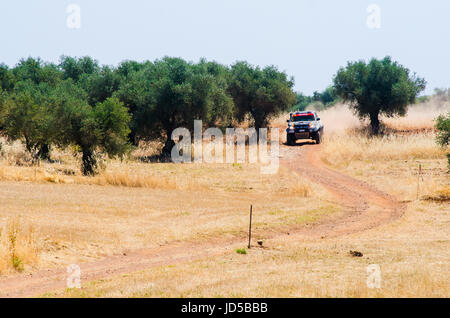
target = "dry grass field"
x: 50, y: 217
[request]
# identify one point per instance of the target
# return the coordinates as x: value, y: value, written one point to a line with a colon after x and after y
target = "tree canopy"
x: 42, y: 105
x: 102, y: 109
x: 172, y: 93
x: 98, y: 109
x: 27, y: 116
x: 378, y: 87
x: 261, y: 93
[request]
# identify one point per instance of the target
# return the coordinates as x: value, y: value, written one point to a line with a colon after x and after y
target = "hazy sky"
x: 308, y: 39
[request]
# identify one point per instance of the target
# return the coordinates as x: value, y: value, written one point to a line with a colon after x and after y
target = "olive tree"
x: 172, y: 93
x: 100, y: 85
x: 262, y: 93
x: 40, y: 77
x: 380, y: 87
x: 90, y: 130
x: 74, y: 68
x: 26, y: 115
x: 6, y: 78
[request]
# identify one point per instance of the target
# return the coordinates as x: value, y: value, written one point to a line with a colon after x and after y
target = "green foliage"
x: 74, y: 68
x: 25, y: 112
x: 103, y: 128
x: 378, y: 87
x: 127, y: 68
x: 172, y: 93
x: 443, y: 135
x: 262, y: 93
x: 6, y: 78
x: 242, y: 251
x: 111, y: 120
x: 319, y: 101
x: 328, y: 96
x: 222, y: 104
x: 36, y: 71
x: 97, y: 109
x: 3, y: 97
x: 28, y: 116
x: 443, y: 128
x: 302, y: 102
x: 100, y: 85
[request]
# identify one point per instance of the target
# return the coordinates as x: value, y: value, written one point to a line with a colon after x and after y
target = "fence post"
x: 418, y: 180
x: 250, y: 228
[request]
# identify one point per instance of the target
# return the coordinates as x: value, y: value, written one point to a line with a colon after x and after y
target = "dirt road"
x: 365, y: 208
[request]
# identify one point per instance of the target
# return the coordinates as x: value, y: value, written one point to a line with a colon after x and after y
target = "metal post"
x: 250, y: 227
x: 418, y: 180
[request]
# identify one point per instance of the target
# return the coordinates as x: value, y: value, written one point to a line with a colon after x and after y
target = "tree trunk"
x: 258, y: 125
x: 133, y: 138
x: 375, y: 123
x: 44, y: 152
x: 89, y: 164
x: 169, y: 144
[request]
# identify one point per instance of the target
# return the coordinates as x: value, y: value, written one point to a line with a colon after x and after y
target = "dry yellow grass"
x: 342, y: 149
x: 18, y: 247
x: 444, y: 193
x: 411, y: 265
x: 124, y: 178
x: 420, y: 116
x: 87, y: 218
x: 300, y: 188
x: 441, y: 194
x: 133, y: 205
x: 392, y: 161
x: 15, y: 165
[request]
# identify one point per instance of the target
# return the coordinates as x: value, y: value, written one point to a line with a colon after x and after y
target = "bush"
x: 443, y: 128
x: 241, y: 251
x: 443, y: 135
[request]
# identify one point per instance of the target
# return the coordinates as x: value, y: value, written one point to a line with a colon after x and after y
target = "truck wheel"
x: 290, y: 140
x: 318, y: 138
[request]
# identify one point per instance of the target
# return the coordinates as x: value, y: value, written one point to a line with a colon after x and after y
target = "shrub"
x: 443, y: 135
x: 241, y: 251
